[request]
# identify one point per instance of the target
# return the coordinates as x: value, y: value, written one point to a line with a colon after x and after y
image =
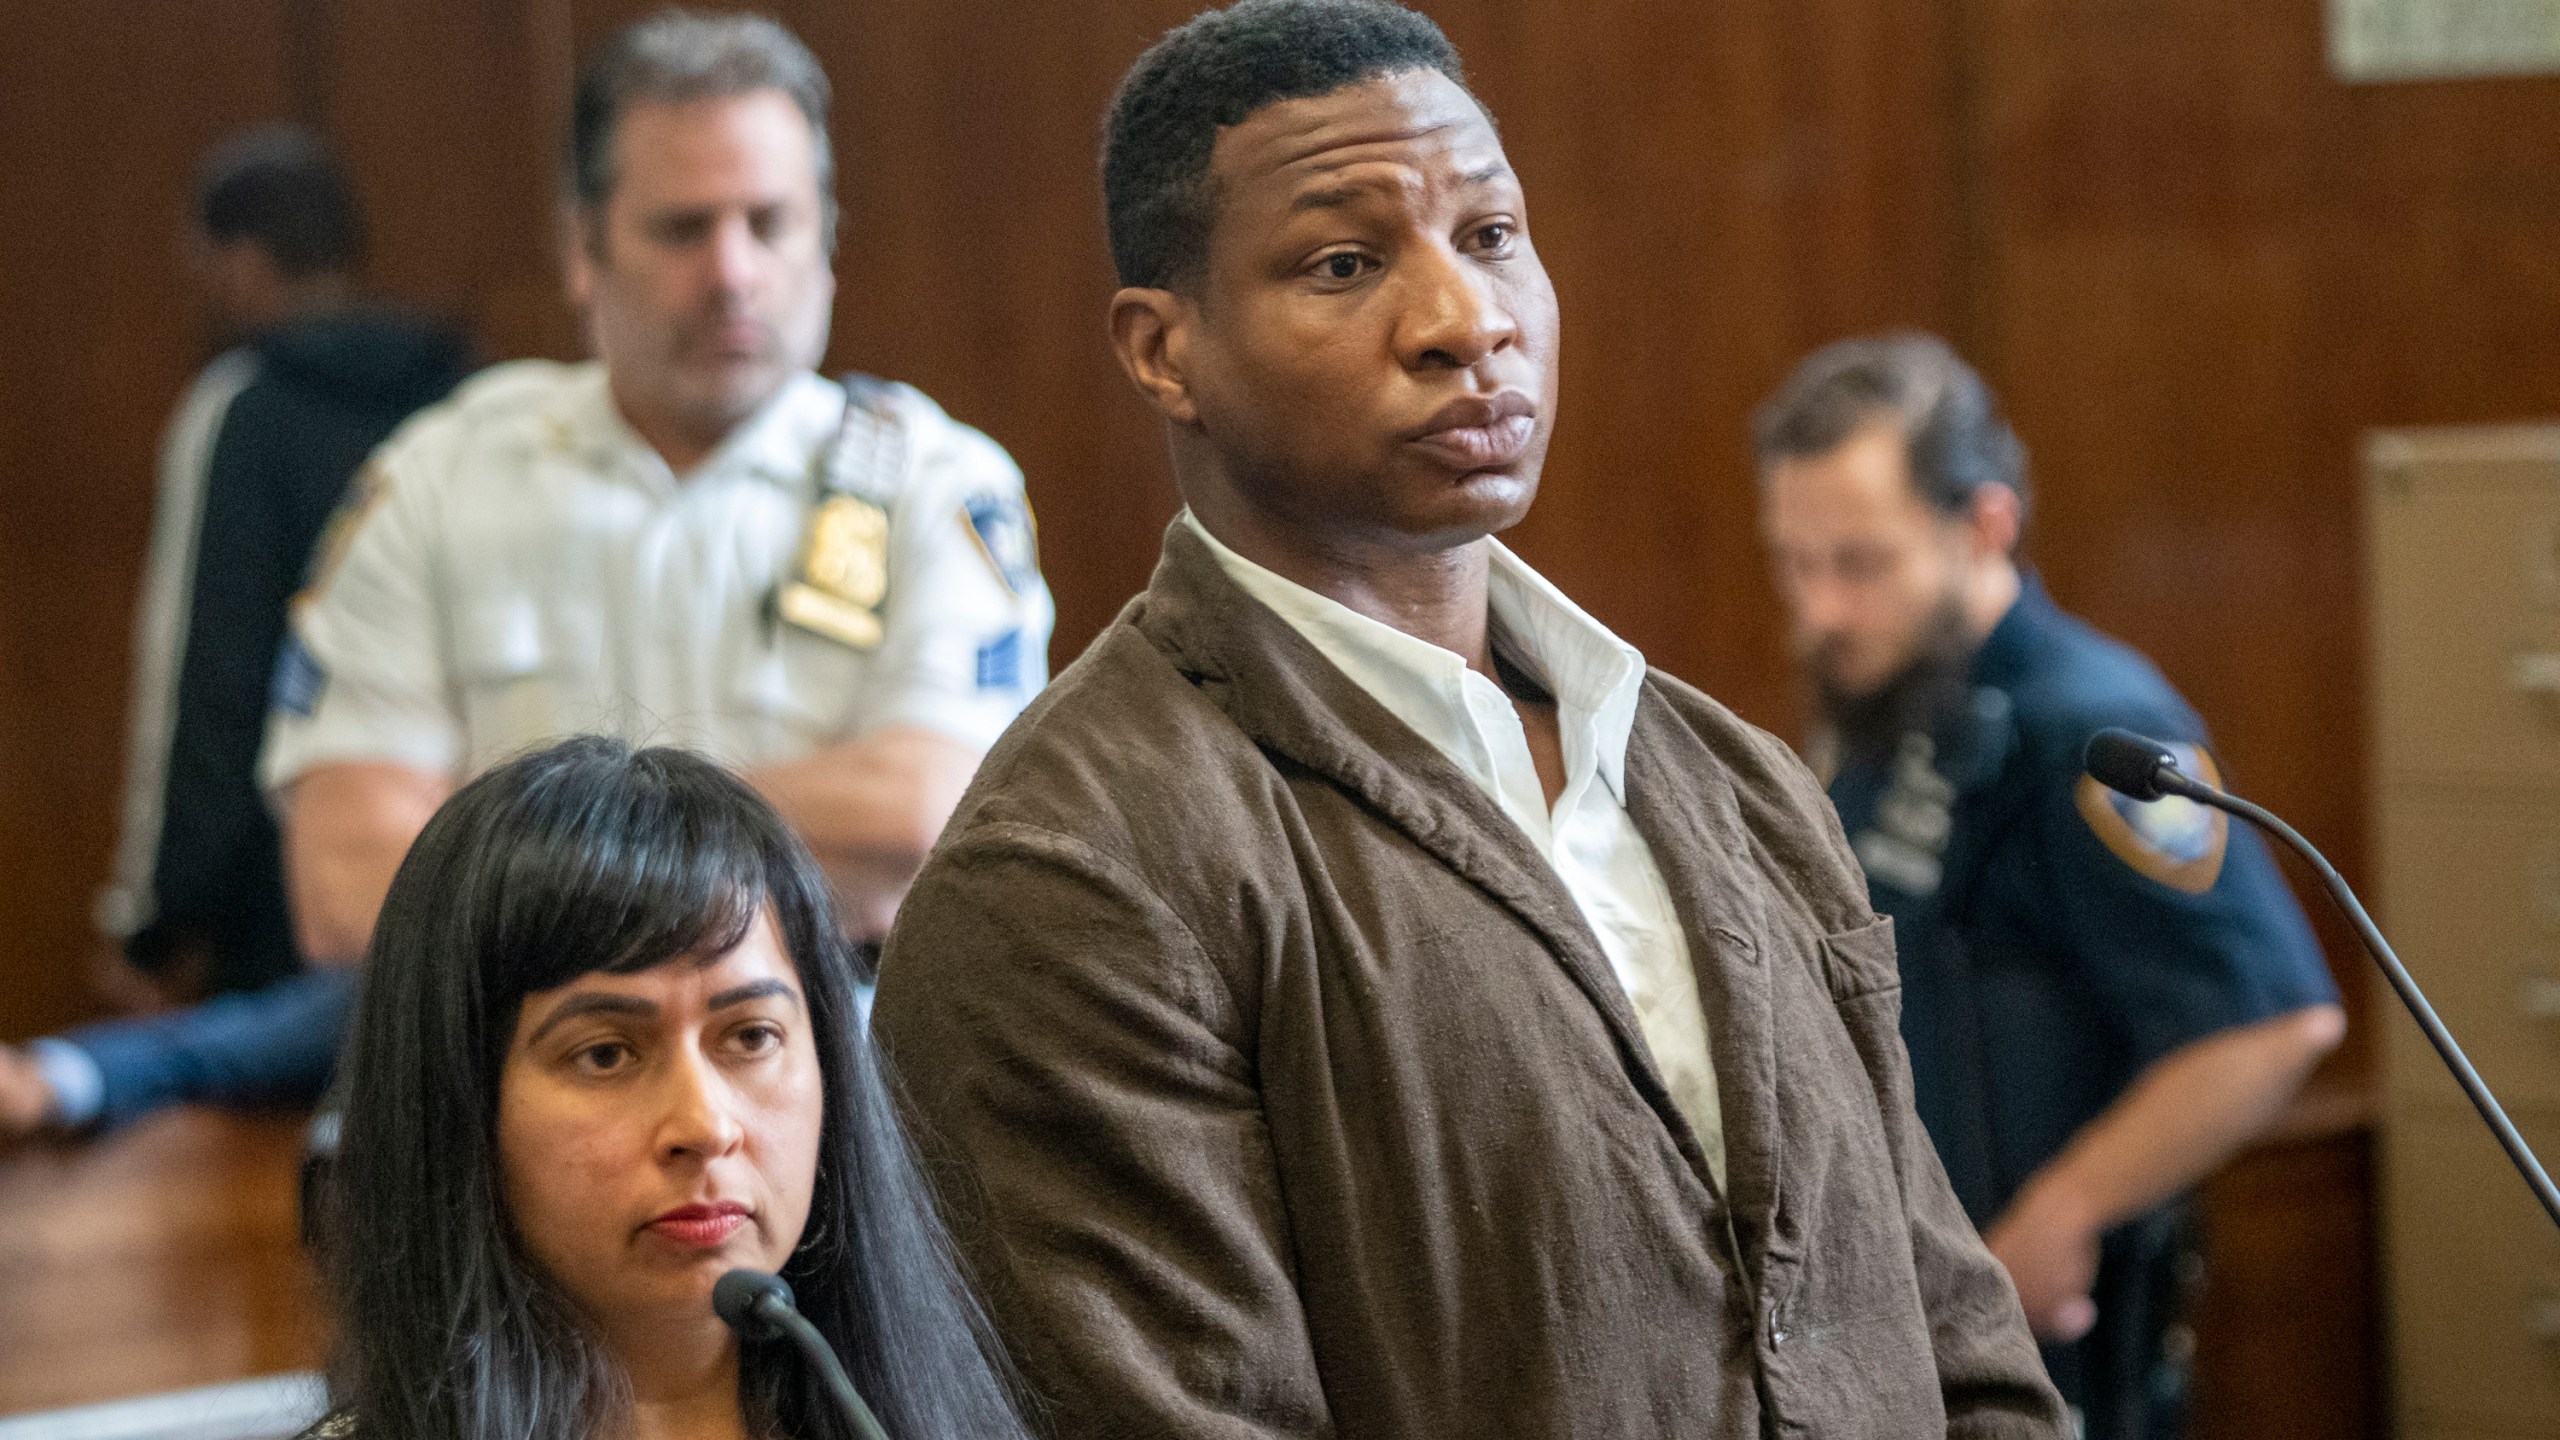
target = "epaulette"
x: 872, y: 393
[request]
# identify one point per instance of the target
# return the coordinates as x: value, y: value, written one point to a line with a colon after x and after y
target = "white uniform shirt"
x: 1595, y: 849
x: 528, y: 568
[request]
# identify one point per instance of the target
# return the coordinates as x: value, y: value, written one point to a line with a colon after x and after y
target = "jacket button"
x: 1777, y: 1336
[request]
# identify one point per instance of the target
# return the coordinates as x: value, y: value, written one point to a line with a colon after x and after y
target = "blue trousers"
x: 276, y: 1046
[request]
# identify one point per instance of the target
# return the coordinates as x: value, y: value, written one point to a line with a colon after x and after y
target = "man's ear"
x: 1151, y: 332
x: 1993, y: 520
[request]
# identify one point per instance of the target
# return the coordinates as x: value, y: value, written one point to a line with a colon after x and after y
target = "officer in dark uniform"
x: 2102, y: 999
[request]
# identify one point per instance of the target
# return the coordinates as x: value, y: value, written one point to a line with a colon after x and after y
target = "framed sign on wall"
x: 2377, y: 40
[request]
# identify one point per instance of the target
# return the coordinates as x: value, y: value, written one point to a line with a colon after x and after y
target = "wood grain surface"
x: 163, y: 1257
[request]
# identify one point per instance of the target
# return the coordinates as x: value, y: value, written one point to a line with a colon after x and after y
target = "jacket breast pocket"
x: 1861, y: 962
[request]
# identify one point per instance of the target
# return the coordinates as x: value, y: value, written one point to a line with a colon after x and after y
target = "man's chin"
x: 726, y: 395
x: 1471, y: 507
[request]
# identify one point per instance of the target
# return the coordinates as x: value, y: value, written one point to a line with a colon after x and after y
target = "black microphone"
x: 2131, y: 764
x: 2145, y: 769
x: 758, y: 1306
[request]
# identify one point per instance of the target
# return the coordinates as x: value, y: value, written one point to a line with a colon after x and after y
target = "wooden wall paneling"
x: 2154, y: 313
x: 104, y: 116
x: 2436, y: 210
x: 455, y: 119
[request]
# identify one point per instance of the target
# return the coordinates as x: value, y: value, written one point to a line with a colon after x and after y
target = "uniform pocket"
x: 1861, y: 962
x: 519, y: 666
x: 807, y: 684
x: 499, y: 641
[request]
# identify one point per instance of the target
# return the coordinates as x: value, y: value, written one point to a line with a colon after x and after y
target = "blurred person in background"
x: 2102, y: 999
x: 309, y: 379
x: 692, y: 539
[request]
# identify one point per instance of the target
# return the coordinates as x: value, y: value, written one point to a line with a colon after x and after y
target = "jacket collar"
x: 1595, y: 676
x: 1283, y: 693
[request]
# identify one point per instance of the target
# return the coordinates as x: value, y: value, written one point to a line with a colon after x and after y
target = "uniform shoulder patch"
x: 2172, y: 840
x: 1007, y: 535
x: 365, y: 494
x: 1000, y: 662
x: 295, y: 687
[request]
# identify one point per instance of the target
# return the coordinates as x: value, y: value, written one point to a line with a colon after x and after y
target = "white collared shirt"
x: 1595, y: 849
x: 525, y: 567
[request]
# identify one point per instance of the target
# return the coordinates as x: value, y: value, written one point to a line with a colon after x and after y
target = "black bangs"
x: 617, y: 860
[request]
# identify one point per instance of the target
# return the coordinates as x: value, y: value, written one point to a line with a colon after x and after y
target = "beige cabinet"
x: 2463, y: 604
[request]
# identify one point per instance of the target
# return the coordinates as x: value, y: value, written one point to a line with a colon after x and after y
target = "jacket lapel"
x: 1283, y: 692
x: 1700, y: 844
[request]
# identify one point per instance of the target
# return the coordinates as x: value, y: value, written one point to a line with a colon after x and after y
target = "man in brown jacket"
x: 1359, y: 999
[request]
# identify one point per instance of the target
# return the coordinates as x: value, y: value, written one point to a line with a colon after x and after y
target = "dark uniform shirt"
x: 2056, y: 938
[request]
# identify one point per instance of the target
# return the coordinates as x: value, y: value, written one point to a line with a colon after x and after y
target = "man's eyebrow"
x: 1334, y: 197
x: 594, y: 1002
x: 753, y: 990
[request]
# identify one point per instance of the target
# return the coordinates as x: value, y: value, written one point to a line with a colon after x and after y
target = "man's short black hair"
x: 1212, y: 72
x: 280, y: 188
x: 1955, y: 436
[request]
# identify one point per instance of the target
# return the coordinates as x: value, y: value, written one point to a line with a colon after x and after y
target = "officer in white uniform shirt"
x: 694, y: 539
x: 531, y: 568
x: 528, y: 567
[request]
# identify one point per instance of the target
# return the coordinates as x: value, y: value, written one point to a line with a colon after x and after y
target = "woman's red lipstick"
x: 702, y: 1226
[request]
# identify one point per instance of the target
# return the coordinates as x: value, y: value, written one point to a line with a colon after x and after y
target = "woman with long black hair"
x: 607, y: 1050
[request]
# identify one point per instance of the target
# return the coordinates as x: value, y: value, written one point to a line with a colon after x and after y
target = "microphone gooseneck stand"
x: 759, y: 1307
x: 2145, y: 769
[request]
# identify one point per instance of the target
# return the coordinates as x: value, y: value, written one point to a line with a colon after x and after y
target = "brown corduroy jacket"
x: 1276, y: 1087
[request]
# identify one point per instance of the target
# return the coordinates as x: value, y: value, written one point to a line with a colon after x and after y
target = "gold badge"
x: 2173, y: 839
x: 840, y: 620
x: 844, y: 573
x: 849, y: 550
